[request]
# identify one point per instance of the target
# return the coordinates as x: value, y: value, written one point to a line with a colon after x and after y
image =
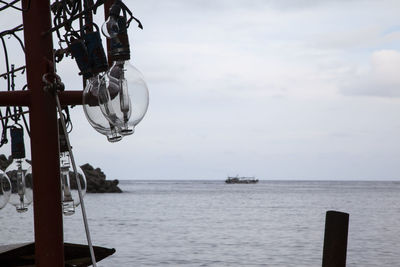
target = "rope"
x: 85, y: 221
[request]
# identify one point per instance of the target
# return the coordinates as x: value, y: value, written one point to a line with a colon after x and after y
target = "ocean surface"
x: 210, y: 223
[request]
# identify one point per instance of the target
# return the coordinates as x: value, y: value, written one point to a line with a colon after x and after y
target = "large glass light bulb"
x: 19, y: 172
x: 20, y: 175
x: 127, y: 97
x: 69, y: 186
x: 128, y: 104
x: 5, y: 189
x: 94, y: 92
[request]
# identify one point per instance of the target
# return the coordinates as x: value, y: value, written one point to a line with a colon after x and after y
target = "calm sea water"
x: 209, y: 223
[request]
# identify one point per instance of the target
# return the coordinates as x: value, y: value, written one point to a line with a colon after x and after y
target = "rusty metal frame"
x: 48, y: 220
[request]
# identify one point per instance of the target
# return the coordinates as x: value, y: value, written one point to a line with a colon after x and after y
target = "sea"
x: 210, y: 223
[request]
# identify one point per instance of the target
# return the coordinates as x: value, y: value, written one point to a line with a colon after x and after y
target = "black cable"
x: 4, y: 122
x: 125, y: 10
x: 19, y: 40
x: 13, y: 113
x: 11, y: 5
x: 25, y: 121
x: 13, y: 30
x: 7, y: 62
x: 68, y: 120
x: 23, y: 115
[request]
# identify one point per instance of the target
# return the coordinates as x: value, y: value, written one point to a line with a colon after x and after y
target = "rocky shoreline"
x: 96, y: 181
x: 95, y: 177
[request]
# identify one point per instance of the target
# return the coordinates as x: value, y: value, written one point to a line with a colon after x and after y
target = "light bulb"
x: 128, y: 106
x: 94, y: 92
x: 127, y: 94
x: 19, y: 172
x: 5, y: 189
x: 111, y: 27
x: 69, y: 187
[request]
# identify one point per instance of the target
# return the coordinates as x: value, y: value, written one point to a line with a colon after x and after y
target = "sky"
x: 278, y: 89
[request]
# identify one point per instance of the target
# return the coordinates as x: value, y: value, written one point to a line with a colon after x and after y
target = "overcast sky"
x: 278, y: 89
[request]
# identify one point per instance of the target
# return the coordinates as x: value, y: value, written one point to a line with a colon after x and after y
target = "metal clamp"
x: 52, y: 83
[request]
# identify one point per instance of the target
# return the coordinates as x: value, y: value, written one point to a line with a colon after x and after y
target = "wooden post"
x: 335, y: 240
x: 48, y: 220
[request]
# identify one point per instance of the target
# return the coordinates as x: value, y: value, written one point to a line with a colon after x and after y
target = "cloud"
x: 252, y: 87
x: 380, y: 78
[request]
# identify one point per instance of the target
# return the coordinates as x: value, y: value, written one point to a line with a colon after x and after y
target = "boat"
x: 23, y: 254
x: 241, y: 180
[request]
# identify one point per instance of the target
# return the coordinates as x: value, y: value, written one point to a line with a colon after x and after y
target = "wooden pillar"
x: 335, y: 240
x: 48, y: 221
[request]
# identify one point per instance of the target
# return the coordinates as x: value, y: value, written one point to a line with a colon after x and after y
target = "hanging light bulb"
x: 93, y: 90
x: 19, y: 172
x: 69, y: 188
x: 110, y: 27
x: 5, y: 189
x: 128, y: 92
x: 130, y: 105
x: 92, y: 62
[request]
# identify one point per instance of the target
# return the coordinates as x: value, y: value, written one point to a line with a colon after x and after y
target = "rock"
x: 95, y: 178
x: 96, y: 181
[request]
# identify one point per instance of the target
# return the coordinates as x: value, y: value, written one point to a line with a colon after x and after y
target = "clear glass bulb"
x: 95, y: 91
x: 5, y: 189
x: 129, y: 97
x: 110, y: 27
x: 20, y: 174
x: 69, y: 187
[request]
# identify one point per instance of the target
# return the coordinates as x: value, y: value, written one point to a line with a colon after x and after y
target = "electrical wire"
x: 4, y: 122
x: 11, y: 5
x: 13, y: 113
x: 85, y: 221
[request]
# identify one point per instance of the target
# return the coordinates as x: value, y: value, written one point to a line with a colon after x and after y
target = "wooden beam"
x: 335, y: 240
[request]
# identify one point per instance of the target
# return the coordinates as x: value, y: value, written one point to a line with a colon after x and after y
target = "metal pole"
x: 15, y: 98
x: 22, y: 98
x: 335, y: 240
x: 48, y: 221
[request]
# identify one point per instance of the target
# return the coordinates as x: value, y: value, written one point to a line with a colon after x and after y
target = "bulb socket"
x: 17, y: 143
x: 61, y: 137
x: 95, y: 50
x: 115, y: 9
x: 78, y: 50
x: 119, y: 45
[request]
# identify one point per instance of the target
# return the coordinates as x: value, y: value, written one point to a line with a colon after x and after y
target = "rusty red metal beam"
x: 71, y: 97
x: 22, y: 98
x: 48, y: 220
x: 15, y: 98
